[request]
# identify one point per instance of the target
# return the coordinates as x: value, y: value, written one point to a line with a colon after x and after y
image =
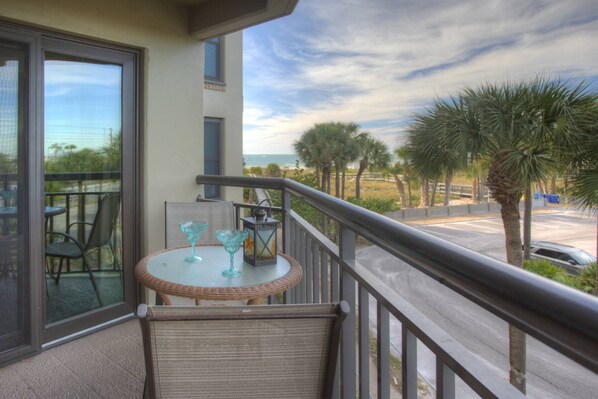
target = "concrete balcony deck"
x: 105, y: 364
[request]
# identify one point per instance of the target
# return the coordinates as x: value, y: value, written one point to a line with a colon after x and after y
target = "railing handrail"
x: 108, y: 174
x: 82, y: 176
x: 561, y: 317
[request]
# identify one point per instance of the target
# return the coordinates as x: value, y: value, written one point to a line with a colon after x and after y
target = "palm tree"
x: 424, y: 147
x: 403, y: 169
x: 582, y: 153
x: 476, y: 170
x: 449, y: 116
x: 516, y: 128
x: 314, y: 150
x: 344, y: 150
x: 585, y: 189
x: 327, y: 145
x: 374, y: 154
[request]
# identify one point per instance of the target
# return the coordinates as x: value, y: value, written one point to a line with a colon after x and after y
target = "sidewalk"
x: 479, y: 216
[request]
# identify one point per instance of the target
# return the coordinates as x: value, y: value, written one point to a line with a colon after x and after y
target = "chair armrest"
x: 68, y: 229
x: 67, y: 237
x: 142, y: 311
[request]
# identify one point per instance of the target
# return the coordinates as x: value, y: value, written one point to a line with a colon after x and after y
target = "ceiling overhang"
x: 211, y: 18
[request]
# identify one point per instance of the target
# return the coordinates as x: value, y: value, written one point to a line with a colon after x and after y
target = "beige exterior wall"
x: 172, y: 90
x: 226, y: 102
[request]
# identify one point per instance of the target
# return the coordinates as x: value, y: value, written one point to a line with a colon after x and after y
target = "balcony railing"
x: 563, y: 319
x: 81, y: 204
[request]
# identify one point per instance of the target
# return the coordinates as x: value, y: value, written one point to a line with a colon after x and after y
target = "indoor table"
x: 10, y: 212
x: 49, y: 211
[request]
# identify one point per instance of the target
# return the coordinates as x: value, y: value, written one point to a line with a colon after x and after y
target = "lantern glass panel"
x: 249, y: 245
x: 266, y: 244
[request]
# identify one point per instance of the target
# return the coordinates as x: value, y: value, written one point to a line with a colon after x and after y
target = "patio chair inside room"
x: 218, y: 214
x: 270, y: 351
x: 99, y: 236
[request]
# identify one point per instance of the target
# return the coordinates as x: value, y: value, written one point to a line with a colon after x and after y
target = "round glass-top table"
x: 167, y: 273
x: 49, y: 211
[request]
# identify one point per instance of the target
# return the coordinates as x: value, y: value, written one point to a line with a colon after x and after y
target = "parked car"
x: 572, y: 259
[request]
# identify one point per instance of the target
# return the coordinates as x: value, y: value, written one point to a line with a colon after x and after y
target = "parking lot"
x: 550, y: 375
x: 485, y: 234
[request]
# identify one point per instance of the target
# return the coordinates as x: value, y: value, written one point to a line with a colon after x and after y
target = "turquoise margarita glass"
x: 192, y: 230
x: 232, y: 240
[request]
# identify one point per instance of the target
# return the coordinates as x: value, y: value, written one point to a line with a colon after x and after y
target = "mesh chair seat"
x: 271, y: 351
x: 64, y: 249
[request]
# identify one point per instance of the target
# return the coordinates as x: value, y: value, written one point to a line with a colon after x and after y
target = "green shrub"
x: 273, y: 170
x: 377, y: 205
x: 567, y: 279
x: 256, y: 170
x: 543, y: 268
x: 300, y: 175
x: 587, y: 279
x: 246, y: 194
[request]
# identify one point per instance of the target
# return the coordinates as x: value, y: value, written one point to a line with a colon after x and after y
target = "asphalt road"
x: 550, y: 375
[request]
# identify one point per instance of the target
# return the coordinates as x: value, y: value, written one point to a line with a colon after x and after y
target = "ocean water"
x: 286, y: 161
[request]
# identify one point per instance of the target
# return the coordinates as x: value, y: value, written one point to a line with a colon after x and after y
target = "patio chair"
x: 8, y: 197
x: 218, y: 214
x: 270, y: 351
x: 99, y: 237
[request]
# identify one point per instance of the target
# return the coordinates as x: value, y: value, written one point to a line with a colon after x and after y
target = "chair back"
x: 218, y: 214
x: 104, y: 221
x: 270, y: 351
x: 9, y: 198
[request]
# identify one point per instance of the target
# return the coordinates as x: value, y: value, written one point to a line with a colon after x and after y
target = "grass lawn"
x: 378, y: 189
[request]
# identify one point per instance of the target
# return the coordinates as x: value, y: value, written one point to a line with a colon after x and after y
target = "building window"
x: 212, y: 154
x: 213, y: 59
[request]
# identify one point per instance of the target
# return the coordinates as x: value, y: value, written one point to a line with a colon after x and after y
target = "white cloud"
x: 76, y: 73
x: 377, y: 62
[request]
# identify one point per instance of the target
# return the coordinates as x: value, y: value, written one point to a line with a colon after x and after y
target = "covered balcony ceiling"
x: 210, y: 18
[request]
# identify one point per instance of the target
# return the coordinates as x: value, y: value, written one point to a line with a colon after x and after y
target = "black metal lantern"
x: 260, y: 245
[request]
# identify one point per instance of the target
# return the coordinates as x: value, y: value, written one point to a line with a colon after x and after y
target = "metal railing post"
x: 364, y: 342
x: 348, y: 287
x: 286, y: 221
x: 409, y: 363
x: 445, y: 381
x: 383, y: 347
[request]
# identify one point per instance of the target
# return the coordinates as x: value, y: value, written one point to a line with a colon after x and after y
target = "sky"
x: 377, y: 62
x: 82, y: 103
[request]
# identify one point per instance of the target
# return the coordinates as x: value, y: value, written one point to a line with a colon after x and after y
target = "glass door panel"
x: 14, y: 268
x: 82, y: 141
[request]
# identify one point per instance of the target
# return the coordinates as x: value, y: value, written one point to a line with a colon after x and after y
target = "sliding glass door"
x: 89, y: 125
x: 82, y: 143
x: 68, y: 187
x: 14, y: 234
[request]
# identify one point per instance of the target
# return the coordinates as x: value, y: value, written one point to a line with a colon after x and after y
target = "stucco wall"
x: 227, y: 104
x: 172, y: 88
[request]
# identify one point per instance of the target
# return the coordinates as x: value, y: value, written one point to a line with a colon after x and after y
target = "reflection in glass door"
x: 14, y: 268
x: 82, y: 142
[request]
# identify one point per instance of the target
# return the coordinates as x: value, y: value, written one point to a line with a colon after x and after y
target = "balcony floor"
x: 105, y: 364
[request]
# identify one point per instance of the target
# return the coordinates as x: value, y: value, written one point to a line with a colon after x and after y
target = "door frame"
x: 38, y: 41
x: 32, y: 251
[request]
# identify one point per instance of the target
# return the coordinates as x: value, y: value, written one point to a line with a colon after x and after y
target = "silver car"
x: 572, y: 259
